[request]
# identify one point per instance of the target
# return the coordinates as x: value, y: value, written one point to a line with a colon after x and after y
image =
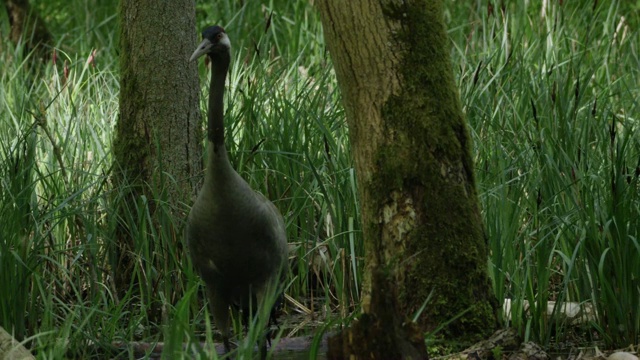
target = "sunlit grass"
x: 287, y: 138
x: 552, y: 103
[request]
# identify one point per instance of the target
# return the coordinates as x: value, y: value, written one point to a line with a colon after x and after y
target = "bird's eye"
x: 219, y: 36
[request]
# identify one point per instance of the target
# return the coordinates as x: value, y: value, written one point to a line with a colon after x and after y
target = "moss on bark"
x: 420, y: 210
x: 427, y: 130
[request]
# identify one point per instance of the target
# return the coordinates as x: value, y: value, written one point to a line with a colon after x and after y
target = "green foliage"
x: 497, y: 352
x: 551, y: 97
x: 552, y: 107
x: 57, y: 262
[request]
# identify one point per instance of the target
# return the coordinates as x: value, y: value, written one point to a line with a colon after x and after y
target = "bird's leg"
x: 220, y: 310
x: 267, y: 311
x: 273, y: 318
x: 274, y: 321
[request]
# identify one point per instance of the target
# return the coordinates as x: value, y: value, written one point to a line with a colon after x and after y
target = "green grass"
x: 552, y: 103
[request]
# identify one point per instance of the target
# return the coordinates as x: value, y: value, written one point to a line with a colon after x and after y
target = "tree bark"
x: 422, y: 225
x: 158, y: 142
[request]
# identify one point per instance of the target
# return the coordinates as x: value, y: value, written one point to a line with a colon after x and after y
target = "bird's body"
x: 232, y: 232
x: 236, y: 237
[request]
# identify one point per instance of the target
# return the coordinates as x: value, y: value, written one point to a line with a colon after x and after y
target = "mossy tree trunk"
x: 157, y: 146
x: 422, y: 225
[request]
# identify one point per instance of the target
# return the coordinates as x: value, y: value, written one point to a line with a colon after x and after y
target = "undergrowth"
x: 551, y: 96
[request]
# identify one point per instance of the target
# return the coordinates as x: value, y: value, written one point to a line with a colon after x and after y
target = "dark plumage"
x: 236, y: 237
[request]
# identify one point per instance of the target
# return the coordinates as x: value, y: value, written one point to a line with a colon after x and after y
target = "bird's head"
x: 214, y: 41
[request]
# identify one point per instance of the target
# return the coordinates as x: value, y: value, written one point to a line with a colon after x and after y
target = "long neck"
x: 215, y: 131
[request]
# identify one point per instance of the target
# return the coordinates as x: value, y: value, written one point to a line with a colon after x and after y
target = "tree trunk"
x: 421, y: 221
x: 157, y: 147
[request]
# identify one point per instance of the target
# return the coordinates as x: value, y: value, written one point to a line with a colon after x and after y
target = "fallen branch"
x: 12, y: 349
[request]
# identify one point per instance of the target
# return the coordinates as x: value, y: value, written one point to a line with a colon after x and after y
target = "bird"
x: 236, y: 237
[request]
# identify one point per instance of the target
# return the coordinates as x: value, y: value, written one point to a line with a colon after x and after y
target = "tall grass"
x: 552, y: 98
x: 552, y: 102
x: 287, y: 138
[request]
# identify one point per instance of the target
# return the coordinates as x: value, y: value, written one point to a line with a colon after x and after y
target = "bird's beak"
x: 202, y: 49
